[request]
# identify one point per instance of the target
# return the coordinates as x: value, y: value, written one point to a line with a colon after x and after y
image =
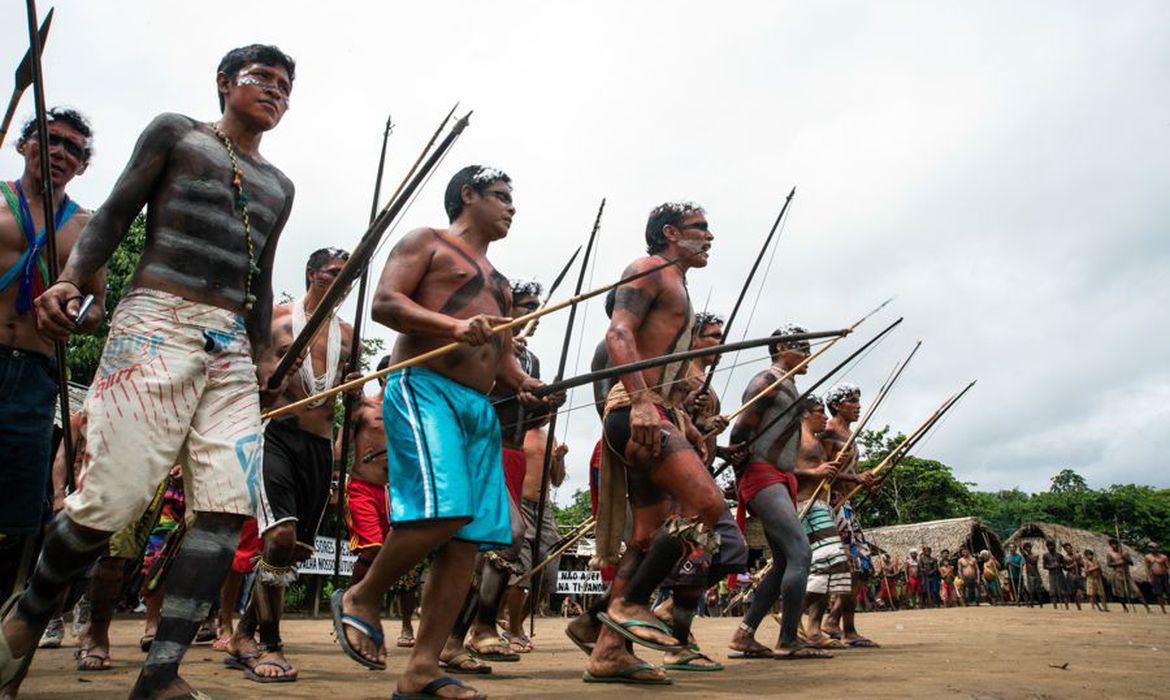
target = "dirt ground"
x: 979, y: 653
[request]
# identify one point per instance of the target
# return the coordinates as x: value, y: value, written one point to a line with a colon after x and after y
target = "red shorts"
x: 367, y: 514
x: 248, y: 550
x: 755, y: 478
x: 594, y: 476
x: 515, y: 467
x: 914, y: 584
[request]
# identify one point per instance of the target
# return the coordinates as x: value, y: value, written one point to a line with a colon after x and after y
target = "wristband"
x: 74, y: 285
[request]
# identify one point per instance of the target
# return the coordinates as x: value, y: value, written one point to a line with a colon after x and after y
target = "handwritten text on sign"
x: 322, y: 560
x: 580, y: 582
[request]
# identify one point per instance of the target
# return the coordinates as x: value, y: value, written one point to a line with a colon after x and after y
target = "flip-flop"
x: 10, y: 666
x: 497, y: 656
x: 103, y: 661
x: 800, y: 653
x: 583, y: 645
x: 684, y: 663
x: 144, y: 643
x: 763, y: 653
x: 827, y: 643
x: 251, y: 674
x: 404, y: 641
x: 623, y: 628
x: 341, y: 620
x: 863, y: 643
x: 431, y: 690
x: 465, y: 663
x: 626, y: 675
x: 240, y: 662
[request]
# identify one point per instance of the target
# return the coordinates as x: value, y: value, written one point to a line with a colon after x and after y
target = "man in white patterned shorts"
x: 178, y: 378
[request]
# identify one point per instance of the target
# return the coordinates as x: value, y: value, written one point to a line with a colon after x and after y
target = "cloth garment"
x: 367, y: 513
x: 1160, y: 585
x: 754, y: 478
x: 28, y: 391
x: 176, y: 384
x: 829, y: 570
x: 131, y: 540
x: 732, y: 557
x: 594, y: 477
x: 247, y: 548
x: 30, y: 272
x: 1095, y: 584
x: 914, y: 584
x: 311, y: 382
x: 171, y: 511
x: 296, y: 478
x: 515, y: 467
x: 443, y: 448
x: 550, y: 534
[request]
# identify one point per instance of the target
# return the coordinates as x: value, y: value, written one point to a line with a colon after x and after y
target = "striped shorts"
x: 829, y: 572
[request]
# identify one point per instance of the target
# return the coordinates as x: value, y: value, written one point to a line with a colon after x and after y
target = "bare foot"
x: 620, y: 612
x: 414, y: 682
x: 371, y: 615
x: 745, y: 643
x: 613, y: 661
x: 273, y: 664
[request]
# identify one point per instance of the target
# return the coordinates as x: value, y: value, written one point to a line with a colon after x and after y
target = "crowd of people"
x: 203, y: 472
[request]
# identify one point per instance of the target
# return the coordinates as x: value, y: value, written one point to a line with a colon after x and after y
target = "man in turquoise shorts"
x: 447, y: 489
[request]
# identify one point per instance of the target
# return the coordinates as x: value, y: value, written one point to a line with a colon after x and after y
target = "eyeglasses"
x: 502, y: 195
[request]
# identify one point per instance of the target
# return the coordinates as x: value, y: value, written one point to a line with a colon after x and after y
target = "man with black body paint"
x: 188, y: 345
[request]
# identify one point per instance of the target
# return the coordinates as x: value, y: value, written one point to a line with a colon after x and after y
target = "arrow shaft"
x: 449, y: 347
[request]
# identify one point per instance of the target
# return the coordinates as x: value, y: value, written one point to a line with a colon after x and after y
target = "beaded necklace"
x: 241, y: 204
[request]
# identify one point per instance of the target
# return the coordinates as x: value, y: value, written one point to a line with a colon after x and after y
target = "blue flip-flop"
x: 431, y: 690
x: 341, y: 620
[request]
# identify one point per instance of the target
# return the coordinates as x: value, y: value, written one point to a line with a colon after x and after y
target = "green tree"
x: 575, y: 513
x: 916, y: 490
x: 1068, y: 481
x: 85, y: 351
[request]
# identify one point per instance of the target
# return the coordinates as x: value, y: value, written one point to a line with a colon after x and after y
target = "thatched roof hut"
x: 1037, y: 533
x: 951, y: 534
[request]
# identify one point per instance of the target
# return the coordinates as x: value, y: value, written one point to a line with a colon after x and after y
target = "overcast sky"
x: 1001, y: 168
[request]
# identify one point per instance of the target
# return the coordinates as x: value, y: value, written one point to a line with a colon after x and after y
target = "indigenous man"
x: 969, y: 572
x: 1073, y: 573
x: 1033, y: 587
x: 914, y: 586
x: 178, y: 378
x: 663, y: 454
x: 1095, y: 582
x: 1120, y: 581
x: 844, y: 404
x: 1014, y: 563
x: 991, y: 578
x: 946, y: 573
x: 1053, y: 563
x: 931, y: 578
x: 297, y: 471
x: 768, y: 489
x: 829, y: 567
x: 890, y: 570
x: 501, y: 570
x: 28, y: 391
x: 534, y: 444
x: 447, y: 489
x: 1158, y: 567
x: 689, y: 581
x: 367, y: 506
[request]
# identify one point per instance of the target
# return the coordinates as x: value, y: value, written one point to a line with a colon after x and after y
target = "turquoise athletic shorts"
x: 444, y: 456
